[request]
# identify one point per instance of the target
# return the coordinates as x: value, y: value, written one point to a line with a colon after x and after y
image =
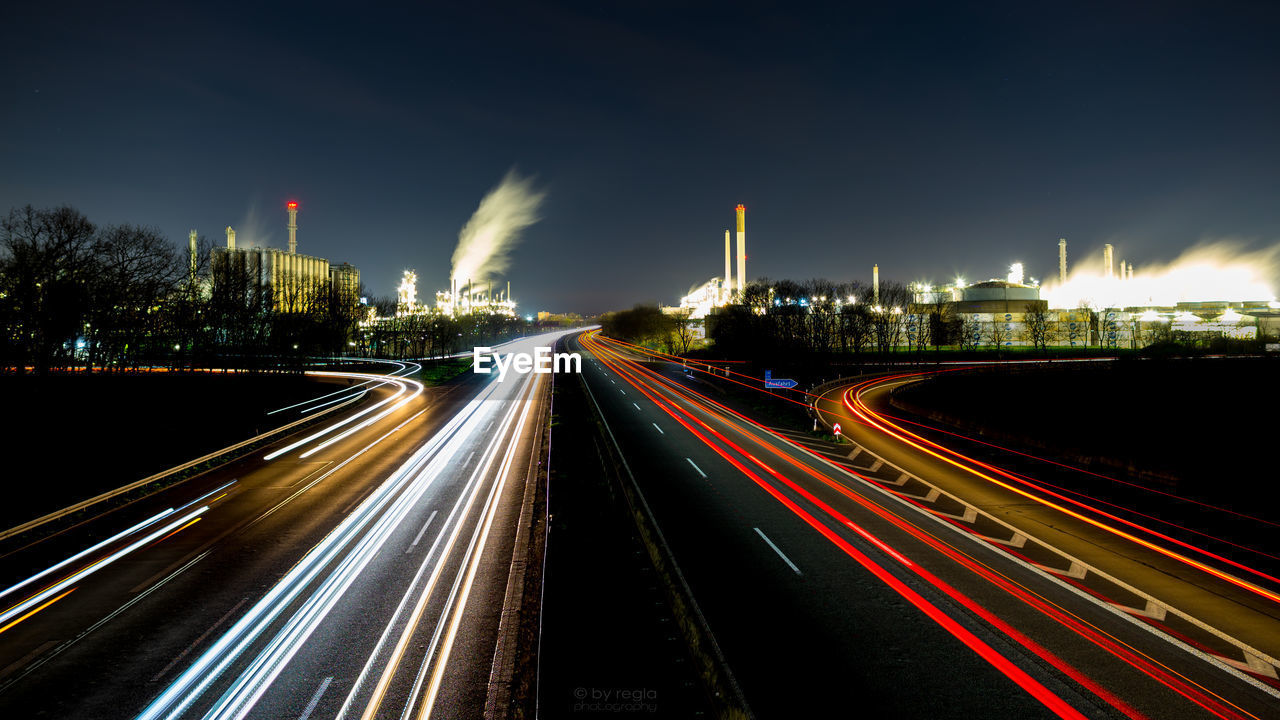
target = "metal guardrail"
x: 33, y: 524
x: 1254, y: 660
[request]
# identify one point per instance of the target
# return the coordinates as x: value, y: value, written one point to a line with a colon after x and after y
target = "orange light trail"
x: 986, y: 652
x: 906, y: 437
x: 1122, y: 651
x: 37, y: 609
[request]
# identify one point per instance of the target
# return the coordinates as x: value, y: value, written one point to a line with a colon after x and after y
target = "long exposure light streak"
x: 256, y: 649
x: 853, y: 403
x: 351, y: 545
x: 401, y: 384
x: 1029, y: 684
x: 1174, y: 681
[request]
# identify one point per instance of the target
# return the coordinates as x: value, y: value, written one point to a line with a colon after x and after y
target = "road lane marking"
x: 315, y: 699
x: 420, y: 532
x: 637, y: 406
x: 785, y: 559
x: 469, y: 456
x: 57, y: 651
x: 624, y: 392
x: 14, y: 666
x: 197, y: 641
x: 655, y: 427
x: 695, y: 467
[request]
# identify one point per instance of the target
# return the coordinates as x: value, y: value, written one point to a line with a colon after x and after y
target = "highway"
x: 833, y: 590
x: 354, y: 569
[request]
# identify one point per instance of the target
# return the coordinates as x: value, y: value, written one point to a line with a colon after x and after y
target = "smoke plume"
x: 1222, y: 270
x: 486, y: 241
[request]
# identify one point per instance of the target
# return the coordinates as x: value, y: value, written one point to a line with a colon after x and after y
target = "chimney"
x: 293, y: 227
x: 728, y: 269
x: 742, y: 248
x: 192, y: 238
x: 875, y: 282
x: 1108, y: 269
x: 231, y: 238
x: 1062, y: 261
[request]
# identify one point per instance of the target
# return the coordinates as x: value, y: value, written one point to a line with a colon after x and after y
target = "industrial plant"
x: 719, y: 291
x: 453, y: 302
x: 292, y: 280
x: 1117, y: 306
x: 1117, y: 309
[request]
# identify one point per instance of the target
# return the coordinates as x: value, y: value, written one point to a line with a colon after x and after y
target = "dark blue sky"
x: 928, y: 137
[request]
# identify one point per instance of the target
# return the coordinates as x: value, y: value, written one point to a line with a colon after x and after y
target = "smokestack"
x: 1062, y: 261
x: 231, y: 238
x: 875, y: 282
x: 508, y: 295
x: 1130, y: 271
x: 742, y: 248
x: 728, y: 268
x: 293, y: 227
x: 192, y: 238
x: 1107, y: 268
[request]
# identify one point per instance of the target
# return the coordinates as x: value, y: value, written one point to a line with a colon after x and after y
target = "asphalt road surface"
x: 354, y: 569
x: 832, y: 595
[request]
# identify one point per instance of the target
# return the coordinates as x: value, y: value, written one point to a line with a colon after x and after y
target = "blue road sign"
x: 784, y: 383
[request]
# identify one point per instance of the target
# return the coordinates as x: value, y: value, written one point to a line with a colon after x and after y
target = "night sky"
x: 929, y: 138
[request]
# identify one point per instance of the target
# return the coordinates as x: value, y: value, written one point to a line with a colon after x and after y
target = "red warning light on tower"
x: 293, y: 206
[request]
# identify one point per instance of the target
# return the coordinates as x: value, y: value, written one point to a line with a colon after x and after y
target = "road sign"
x: 784, y: 383
x: 836, y: 428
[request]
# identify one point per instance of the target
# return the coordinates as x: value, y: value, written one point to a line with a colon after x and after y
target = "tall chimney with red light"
x: 742, y: 249
x: 293, y: 227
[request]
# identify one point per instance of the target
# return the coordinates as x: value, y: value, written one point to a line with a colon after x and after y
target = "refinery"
x: 1207, y: 292
x: 293, y: 280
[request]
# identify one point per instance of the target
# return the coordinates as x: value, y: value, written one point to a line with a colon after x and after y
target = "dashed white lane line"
x: 637, y: 406
x: 695, y: 467
x: 655, y: 427
x: 315, y: 699
x: 420, y: 532
x: 624, y: 392
x: 785, y: 559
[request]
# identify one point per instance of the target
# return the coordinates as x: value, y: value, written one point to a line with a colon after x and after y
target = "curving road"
x: 832, y: 593
x: 353, y: 569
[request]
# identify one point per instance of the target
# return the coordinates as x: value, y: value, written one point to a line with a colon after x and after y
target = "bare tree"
x: 971, y: 332
x: 682, y: 328
x: 136, y: 272
x: 45, y: 263
x: 1036, y: 322
x: 998, y: 334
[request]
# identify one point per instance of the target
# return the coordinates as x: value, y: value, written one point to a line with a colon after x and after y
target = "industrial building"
x: 1005, y: 312
x: 719, y: 291
x: 295, y: 283
x: 464, y: 302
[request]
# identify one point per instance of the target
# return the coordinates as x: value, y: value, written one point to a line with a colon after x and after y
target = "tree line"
x: 784, y: 319
x: 119, y: 297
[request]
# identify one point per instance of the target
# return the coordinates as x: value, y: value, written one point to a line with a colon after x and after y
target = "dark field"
x: 70, y: 437
x: 1201, y: 429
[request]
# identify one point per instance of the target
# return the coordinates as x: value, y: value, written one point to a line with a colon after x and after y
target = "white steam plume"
x: 1221, y: 270
x: 485, y: 243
